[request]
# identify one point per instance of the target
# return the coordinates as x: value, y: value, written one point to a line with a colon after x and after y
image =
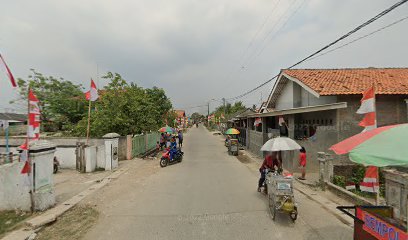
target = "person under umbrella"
x: 270, y: 162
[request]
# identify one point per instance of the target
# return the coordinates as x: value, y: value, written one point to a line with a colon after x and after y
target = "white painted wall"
x: 285, y: 100
x: 111, y: 162
x: 66, y: 157
x: 293, y: 96
x: 100, y: 156
x: 44, y: 194
x: 90, y: 159
x: 309, y: 99
x: 14, y: 187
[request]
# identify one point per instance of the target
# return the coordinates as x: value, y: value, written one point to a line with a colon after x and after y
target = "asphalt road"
x: 210, y: 195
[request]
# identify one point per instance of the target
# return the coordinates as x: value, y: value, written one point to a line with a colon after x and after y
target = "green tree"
x: 229, y: 109
x: 62, y: 102
x: 196, y: 117
x: 126, y: 109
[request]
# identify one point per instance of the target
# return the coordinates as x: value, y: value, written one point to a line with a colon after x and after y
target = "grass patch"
x: 9, y: 220
x: 73, y: 225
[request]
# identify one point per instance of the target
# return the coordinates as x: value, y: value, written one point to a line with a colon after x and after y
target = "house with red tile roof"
x: 181, y: 118
x: 317, y: 107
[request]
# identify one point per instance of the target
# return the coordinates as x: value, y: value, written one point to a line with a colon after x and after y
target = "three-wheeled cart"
x: 280, y: 195
x: 233, y: 147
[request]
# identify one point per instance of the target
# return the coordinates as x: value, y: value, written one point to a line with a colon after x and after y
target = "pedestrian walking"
x: 302, y: 163
x: 180, y: 137
x: 162, y: 141
x: 168, y: 140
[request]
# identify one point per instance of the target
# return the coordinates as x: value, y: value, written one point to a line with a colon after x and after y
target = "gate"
x: 142, y: 144
x: 80, y: 157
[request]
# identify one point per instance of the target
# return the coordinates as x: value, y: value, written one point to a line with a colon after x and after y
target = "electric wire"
x: 264, y: 40
x: 251, y: 61
x: 360, y: 38
x: 254, y: 37
x: 361, y: 26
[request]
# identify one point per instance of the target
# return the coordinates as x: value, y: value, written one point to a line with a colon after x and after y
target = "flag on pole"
x: 92, y: 95
x: 368, y: 108
x: 6, y: 69
x: 370, y: 182
x: 33, y: 131
x: 33, y: 117
x: 281, y: 121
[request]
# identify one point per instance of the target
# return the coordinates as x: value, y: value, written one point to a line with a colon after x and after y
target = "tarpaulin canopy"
x: 384, y: 146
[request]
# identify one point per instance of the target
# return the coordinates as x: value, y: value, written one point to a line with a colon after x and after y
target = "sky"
x: 195, y: 50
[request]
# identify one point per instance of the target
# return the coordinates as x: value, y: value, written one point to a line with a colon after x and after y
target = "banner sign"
x: 380, y: 229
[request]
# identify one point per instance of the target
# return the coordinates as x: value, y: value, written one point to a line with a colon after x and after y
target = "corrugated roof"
x: 352, y: 80
x: 13, y: 117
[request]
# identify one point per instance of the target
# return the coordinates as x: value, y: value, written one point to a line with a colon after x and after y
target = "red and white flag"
x: 92, y: 95
x: 370, y: 182
x: 281, y: 121
x: 6, y: 70
x: 33, y: 131
x: 33, y: 117
x: 368, y: 108
x: 257, y: 122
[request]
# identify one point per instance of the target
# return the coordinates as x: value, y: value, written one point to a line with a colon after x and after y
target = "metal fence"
x: 9, y: 158
x: 142, y: 144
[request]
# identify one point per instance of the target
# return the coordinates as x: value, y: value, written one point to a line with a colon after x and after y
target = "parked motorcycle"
x: 165, y: 159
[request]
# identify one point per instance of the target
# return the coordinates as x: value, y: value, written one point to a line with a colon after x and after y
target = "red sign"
x: 379, y: 228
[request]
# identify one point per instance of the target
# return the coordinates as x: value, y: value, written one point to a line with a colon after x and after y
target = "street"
x: 210, y: 195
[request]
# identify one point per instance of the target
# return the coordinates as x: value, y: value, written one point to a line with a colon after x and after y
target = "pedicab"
x: 380, y: 147
x: 232, y: 143
x: 280, y: 186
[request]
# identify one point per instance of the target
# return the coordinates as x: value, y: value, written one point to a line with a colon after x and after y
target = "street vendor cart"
x: 279, y: 187
x: 280, y: 195
x: 231, y: 142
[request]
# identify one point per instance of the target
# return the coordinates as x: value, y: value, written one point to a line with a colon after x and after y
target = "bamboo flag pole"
x: 89, y: 121
x: 30, y: 173
x: 377, y: 195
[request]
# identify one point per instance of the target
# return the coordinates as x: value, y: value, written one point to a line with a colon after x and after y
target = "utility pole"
x: 223, y: 100
x: 208, y: 110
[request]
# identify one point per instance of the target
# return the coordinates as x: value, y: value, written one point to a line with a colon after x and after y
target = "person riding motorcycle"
x: 173, y: 147
x: 270, y: 162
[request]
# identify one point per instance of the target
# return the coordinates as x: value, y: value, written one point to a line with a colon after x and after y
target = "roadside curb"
x: 328, y: 206
x: 307, y: 183
x: 52, y: 214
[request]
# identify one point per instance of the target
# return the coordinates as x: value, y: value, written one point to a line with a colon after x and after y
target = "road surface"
x: 210, y: 195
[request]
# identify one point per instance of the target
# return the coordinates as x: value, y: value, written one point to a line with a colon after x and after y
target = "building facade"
x: 317, y: 108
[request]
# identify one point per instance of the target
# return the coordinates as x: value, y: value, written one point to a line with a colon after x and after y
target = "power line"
x: 361, y: 26
x: 270, y: 32
x: 251, y: 42
x: 260, y: 28
x: 276, y: 33
x: 360, y: 38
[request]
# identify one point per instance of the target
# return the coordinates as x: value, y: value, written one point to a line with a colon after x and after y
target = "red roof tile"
x: 180, y: 113
x: 352, y: 81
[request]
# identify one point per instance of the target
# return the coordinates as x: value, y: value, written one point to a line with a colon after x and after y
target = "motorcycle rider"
x: 173, y: 147
x: 269, y: 162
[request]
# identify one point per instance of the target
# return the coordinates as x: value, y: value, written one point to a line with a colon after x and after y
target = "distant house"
x: 181, y: 118
x: 14, y: 117
x: 17, y: 123
x: 317, y: 107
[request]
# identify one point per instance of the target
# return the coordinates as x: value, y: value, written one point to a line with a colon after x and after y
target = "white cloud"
x: 191, y: 48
